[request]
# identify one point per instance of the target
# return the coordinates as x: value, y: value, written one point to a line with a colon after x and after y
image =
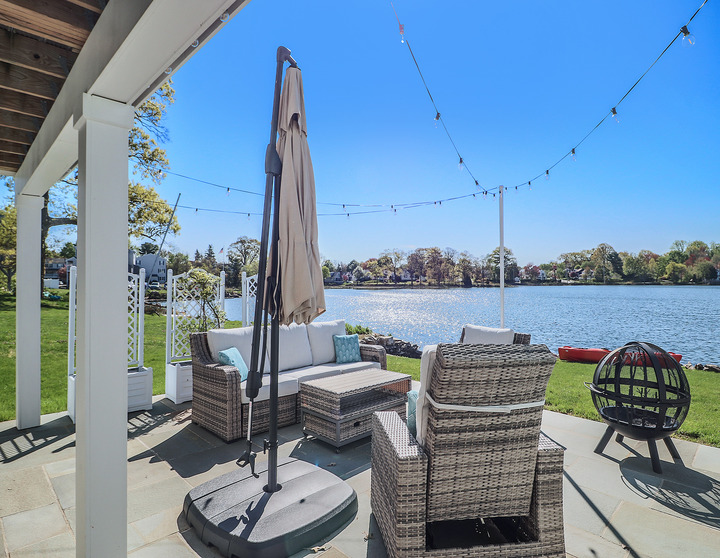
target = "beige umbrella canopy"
x: 302, y: 298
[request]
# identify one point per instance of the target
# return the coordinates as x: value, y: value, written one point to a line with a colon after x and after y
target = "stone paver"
x: 25, y: 489
x: 32, y: 526
x: 615, y: 506
x: 59, y: 546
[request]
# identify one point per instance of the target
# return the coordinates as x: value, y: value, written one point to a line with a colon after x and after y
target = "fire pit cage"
x: 641, y: 392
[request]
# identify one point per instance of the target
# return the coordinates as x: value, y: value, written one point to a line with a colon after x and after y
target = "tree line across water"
x: 685, y: 262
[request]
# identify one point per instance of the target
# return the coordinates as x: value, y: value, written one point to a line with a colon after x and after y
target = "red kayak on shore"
x: 579, y: 354
x: 591, y: 356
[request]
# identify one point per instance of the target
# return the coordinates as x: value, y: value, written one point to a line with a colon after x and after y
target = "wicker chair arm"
x: 521, y: 339
x: 398, y: 485
x: 374, y: 353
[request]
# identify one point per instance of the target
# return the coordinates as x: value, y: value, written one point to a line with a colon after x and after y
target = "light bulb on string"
x: 615, y: 115
x: 547, y: 174
x: 460, y: 164
x: 436, y: 119
x: 228, y: 192
x: 688, y: 39
x: 402, y: 33
x: 248, y: 216
x: 573, y: 155
x: 477, y: 185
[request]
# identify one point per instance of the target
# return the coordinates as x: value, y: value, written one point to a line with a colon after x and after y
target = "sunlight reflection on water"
x: 681, y: 319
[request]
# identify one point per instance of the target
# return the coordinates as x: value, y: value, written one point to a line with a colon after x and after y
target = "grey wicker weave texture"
x: 491, y: 454
x: 217, y: 389
x: 340, y: 408
x: 474, y: 464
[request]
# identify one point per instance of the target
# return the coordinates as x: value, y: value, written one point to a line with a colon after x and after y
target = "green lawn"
x: 566, y: 392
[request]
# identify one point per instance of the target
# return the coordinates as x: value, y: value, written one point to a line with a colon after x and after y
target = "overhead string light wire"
x: 438, y: 115
x: 384, y: 208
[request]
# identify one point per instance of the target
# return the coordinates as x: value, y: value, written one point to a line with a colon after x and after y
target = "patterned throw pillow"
x: 347, y: 348
x: 232, y: 357
x: 412, y: 412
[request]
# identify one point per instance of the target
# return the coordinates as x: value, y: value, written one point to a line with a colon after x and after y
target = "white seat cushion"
x: 294, y: 351
x: 240, y: 338
x: 427, y: 361
x: 287, y: 385
x: 320, y: 335
x: 487, y: 335
x: 328, y: 369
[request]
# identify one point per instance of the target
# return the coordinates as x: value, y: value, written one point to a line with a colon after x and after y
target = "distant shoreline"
x: 394, y: 286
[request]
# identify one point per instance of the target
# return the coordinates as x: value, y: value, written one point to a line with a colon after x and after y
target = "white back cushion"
x: 294, y: 347
x: 240, y: 337
x: 427, y: 361
x: 487, y: 335
x: 320, y: 335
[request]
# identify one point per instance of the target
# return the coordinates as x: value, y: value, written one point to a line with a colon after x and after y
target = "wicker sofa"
x: 485, y: 481
x: 305, y: 353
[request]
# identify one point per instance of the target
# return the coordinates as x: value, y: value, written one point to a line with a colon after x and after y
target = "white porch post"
x: 27, y: 305
x: 101, y: 385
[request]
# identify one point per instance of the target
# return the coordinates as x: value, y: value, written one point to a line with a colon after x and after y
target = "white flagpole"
x: 502, y: 261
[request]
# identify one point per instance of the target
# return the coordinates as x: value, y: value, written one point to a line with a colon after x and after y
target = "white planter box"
x: 178, y: 381
x: 140, y: 385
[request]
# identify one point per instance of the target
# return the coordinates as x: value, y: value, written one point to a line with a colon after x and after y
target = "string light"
x: 688, y: 38
x: 615, y: 115
x: 224, y: 17
x: 169, y: 70
x: 196, y: 43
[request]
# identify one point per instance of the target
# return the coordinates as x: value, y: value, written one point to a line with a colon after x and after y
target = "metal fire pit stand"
x: 641, y: 392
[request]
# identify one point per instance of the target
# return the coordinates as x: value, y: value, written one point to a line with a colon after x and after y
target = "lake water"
x: 681, y: 319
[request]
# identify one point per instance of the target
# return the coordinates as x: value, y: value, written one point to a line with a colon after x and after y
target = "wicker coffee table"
x: 338, y: 409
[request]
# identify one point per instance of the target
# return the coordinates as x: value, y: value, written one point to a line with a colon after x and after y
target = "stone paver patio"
x: 615, y: 506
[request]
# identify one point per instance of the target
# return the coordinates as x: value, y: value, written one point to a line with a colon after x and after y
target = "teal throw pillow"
x: 233, y: 357
x: 412, y: 412
x: 347, y: 348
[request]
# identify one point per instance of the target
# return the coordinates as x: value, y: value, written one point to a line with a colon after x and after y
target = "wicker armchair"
x: 486, y: 482
x: 217, y: 404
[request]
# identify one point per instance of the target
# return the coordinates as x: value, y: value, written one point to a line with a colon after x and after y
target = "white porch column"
x: 101, y: 385
x: 27, y: 321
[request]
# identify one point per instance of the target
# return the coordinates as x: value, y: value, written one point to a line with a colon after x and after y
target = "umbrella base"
x: 234, y: 513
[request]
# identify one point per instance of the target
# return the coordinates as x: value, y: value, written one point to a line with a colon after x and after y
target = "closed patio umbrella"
x: 299, y: 279
x: 301, y: 503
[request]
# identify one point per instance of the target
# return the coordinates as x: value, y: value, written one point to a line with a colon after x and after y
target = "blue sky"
x: 518, y: 84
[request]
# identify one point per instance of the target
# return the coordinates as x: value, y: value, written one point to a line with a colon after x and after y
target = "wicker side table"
x: 338, y: 409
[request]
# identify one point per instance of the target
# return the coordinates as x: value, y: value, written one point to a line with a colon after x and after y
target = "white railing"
x: 183, y: 309
x: 249, y: 292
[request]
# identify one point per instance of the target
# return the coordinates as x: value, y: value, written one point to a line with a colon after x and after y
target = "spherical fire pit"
x: 641, y: 392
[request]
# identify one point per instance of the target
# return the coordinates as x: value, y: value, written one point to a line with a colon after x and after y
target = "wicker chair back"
x: 483, y: 429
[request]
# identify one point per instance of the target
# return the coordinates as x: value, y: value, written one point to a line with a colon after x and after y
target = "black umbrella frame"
x: 300, y: 504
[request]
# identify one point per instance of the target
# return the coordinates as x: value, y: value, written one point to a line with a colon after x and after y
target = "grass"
x: 566, y: 392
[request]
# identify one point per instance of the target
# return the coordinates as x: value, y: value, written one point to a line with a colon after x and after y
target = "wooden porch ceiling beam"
x: 7, y: 168
x: 29, y: 82
x: 35, y: 54
x: 20, y: 121
x: 96, y: 6
x: 24, y: 104
x: 54, y: 20
x: 11, y: 159
x: 15, y: 148
x: 16, y: 136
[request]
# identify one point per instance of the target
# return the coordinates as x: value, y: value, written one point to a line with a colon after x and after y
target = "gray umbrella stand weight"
x: 286, y: 505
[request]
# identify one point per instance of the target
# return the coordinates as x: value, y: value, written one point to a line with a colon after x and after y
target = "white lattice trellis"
x: 249, y: 292
x: 184, y: 309
x: 136, y: 319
